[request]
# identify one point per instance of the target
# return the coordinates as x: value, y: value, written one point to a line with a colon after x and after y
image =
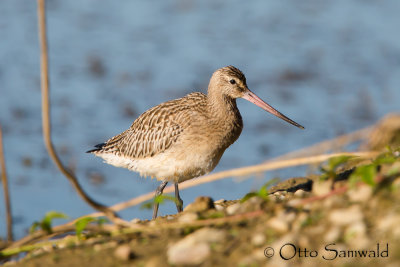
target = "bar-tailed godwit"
x: 184, y: 138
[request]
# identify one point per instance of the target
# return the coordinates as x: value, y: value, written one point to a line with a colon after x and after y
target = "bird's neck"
x: 221, y: 105
x: 224, y: 113
x: 225, y: 117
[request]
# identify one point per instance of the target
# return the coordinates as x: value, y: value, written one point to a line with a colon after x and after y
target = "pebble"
x: 209, y: 235
x: 343, y: 217
x: 218, y: 204
x: 251, y: 204
x: 300, y: 193
x: 278, y: 225
x: 294, y: 202
x: 303, y: 241
x: 232, y: 209
x: 68, y: 241
x: 188, y: 254
x: 356, y: 230
x: 135, y: 220
x: 389, y: 224
x: 360, y: 194
x: 332, y: 235
x: 219, y: 201
x: 258, y: 240
x: 194, y: 249
x: 321, y: 188
x: 153, y: 222
x: 299, y: 221
x: 200, y: 204
x: 187, y: 217
x: 123, y: 252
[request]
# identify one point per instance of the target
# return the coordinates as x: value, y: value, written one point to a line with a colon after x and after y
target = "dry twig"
x: 46, y: 121
x: 332, y: 144
x: 6, y: 191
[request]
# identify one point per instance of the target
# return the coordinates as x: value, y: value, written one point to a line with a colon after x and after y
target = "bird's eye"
x: 232, y: 81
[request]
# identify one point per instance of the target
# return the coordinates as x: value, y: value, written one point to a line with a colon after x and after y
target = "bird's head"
x: 231, y: 83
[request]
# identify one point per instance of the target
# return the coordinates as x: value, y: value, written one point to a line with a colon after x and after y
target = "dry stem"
x: 6, y: 191
x: 46, y: 121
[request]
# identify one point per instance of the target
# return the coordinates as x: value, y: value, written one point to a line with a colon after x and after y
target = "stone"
x: 194, y: 249
x: 219, y: 201
x: 389, y: 224
x: 188, y: 254
x: 232, y: 209
x: 344, y: 217
x: 321, y: 188
x: 332, y: 235
x: 357, y: 230
x: 135, y: 220
x: 209, y: 235
x: 360, y: 194
x: 278, y: 225
x: 294, y: 202
x: 200, y: 204
x: 252, y: 204
x: 123, y: 252
x: 219, y: 204
x: 187, y: 217
x: 258, y: 240
x: 300, y: 193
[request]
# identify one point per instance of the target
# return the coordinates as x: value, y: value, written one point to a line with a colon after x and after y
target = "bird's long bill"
x: 253, y: 98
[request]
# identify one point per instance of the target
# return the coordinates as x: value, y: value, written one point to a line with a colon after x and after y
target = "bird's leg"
x: 179, y: 201
x: 159, y: 191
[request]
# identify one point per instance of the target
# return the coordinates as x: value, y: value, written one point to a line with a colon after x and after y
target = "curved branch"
x: 6, y: 191
x: 46, y: 120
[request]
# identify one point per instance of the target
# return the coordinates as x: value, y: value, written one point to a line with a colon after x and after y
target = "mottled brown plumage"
x: 186, y: 137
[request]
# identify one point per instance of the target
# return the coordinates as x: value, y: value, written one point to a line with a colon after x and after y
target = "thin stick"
x: 6, y: 191
x: 324, y: 146
x: 46, y: 120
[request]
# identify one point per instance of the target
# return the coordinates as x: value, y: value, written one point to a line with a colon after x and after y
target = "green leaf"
x: 385, y: 159
x: 330, y: 171
x: 81, y: 224
x: 248, y: 196
x: 263, y: 191
x: 35, y: 225
x: 364, y: 173
x: 337, y: 161
x: 45, y: 223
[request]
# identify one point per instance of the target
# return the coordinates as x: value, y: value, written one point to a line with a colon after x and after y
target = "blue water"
x: 332, y: 66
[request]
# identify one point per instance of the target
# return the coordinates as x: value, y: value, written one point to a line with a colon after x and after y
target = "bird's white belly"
x: 168, y: 165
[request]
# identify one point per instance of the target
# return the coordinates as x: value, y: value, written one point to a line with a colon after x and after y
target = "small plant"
x: 161, y: 199
x: 81, y: 224
x: 262, y: 192
x: 368, y: 173
x: 330, y: 171
x: 45, y: 223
